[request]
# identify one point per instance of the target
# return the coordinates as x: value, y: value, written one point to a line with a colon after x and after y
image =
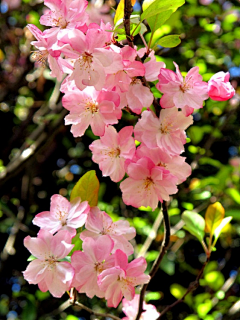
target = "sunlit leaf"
x: 195, y: 224
x: 31, y: 258
x: 87, y: 188
x: 214, y: 280
x: 120, y: 10
x: 170, y: 41
x: 234, y: 194
x: 214, y: 216
x: 152, y: 296
x: 77, y: 243
x: 219, y: 229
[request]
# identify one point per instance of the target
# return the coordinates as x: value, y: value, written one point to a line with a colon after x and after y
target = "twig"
x: 157, y: 262
x: 193, y: 286
x: 106, y: 315
x: 128, y: 9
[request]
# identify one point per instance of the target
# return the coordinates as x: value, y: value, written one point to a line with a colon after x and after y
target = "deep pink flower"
x: 186, y: 93
x: 112, y: 150
x: 47, y: 270
x: 166, y: 132
x: 219, y: 87
x: 91, y: 107
x: 90, y: 263
x: 130, y: 308
x: 147, y: 184
x: 99, y: 223
x: 120, y: 280
x: 63, y: 215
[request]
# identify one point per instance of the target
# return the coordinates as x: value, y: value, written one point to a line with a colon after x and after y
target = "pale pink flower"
x: 47, y: 270
x: 186, y: 93
x: 65, y: 14
x: 112, y: 150
x: 147, y: 184
x: 89, y: 58
x: 130, y: 308
x: 91, y: 107
x: 48, y: 50
x: 121, y: 279
x: 219, y: 87
x: 152, y: 67
x: 99, y: 223
x: 166, y: 132
x: 90, y: 263
x: 175, y: 164
x: 63, y: 215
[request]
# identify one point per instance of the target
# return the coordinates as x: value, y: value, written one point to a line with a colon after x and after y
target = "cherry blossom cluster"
x: 104, y: 77
x: 100, y: 269
x: 101, y: 77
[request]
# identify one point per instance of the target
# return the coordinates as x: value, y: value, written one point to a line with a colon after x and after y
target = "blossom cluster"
x: 103, y: 78
x: 100, y: 269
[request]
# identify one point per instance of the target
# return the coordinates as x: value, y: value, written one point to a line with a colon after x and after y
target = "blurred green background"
x: 40, y: 157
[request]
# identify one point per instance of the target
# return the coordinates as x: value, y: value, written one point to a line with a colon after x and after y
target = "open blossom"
x: 47, y: 270
x: 175, y: 164
x: 99, y: 223
x: 90, y: 263
x: 65, y: 14
x: 219, y: 87
x: 166, y: 132
x: 121, y: 279
x: 91, y: 107
x: 63, y: 215
x: 147, y: 184
x: 186, y: 93
x: 130, y: 308
x: 112, y: 150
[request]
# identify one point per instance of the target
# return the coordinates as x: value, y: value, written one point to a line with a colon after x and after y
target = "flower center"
x: 92, y: 106
x: 40, y: 57
x: 114, y: 153
x: 147, y: 183
x: 185, y: 86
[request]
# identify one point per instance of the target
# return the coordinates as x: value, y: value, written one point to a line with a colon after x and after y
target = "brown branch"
x: 128, y: 9
x: 193, y: 286
x: 157, y: 262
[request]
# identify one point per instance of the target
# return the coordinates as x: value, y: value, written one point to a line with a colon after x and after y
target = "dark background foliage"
x: 40, y: 157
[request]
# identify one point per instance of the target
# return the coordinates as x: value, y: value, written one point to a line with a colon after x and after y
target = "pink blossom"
x: 90, y: 263
x: 89, y: 58
x: 99, y: 223
x: 152, y: 66
x: 219, y: 87
x: 112, y: 150
x: 186, y: 93
x: 91, y: 107
x: 130, y: 308
x: 47, y: 270
x: 147, y: 184
x: 121, y: 279
x: 166, y: 132
x: 48, y: 50
x: 175, y: 164
x: 63, y: 215
x: 65, y: 14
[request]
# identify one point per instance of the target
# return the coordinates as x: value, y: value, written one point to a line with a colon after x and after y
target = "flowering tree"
x: 104, y: 74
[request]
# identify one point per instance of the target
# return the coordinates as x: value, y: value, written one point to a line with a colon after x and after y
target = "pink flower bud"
x: 219, y: 87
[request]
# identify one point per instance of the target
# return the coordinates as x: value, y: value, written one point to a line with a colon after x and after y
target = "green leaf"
x: 77, y: 244
x: 214, y: 216
x: 214, y: 280
x: 152, y: 296
x: 219, y: 229
x: 157, y: 12
x: 31, y: 258
x: 87, y: 188
x: 178, y: 291
x: 120, y: 10
x: 234, y: 194
x: 195, y: 224
x: 170, y: 41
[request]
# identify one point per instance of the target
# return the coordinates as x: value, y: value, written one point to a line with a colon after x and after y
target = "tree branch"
x: 128, y: 9
x: 157, y: 262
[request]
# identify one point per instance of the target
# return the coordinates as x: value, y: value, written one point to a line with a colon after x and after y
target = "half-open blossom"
x: 219, y: 87
x: 121, y: 279
x: 91, y: 107
x: 112, y: 150
x: 99, y: 223
x: 147, y: 184
x: 166, y: 132
x: 130, y: 308
x: 47, y: 270
x: 90, y: 263
x: 186, y: 93
x: 63, y: 215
